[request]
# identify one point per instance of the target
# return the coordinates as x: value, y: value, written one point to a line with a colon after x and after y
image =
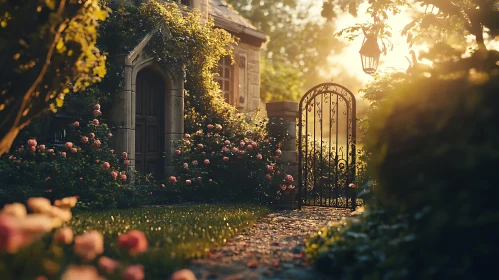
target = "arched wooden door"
x: 149, y: 123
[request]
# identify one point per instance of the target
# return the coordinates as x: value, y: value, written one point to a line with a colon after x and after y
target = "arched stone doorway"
x: 150, y: 122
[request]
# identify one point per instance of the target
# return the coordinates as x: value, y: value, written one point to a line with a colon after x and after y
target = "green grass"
x: 175, y: 233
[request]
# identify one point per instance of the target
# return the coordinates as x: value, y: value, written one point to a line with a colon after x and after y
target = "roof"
x: 228, y: 18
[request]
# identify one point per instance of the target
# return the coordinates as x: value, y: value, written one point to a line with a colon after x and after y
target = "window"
x: 225, y: 78
x: 185, y: 2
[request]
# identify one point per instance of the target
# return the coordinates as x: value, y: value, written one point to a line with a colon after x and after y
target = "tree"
x: 297, y: 50
x: 47, y: 49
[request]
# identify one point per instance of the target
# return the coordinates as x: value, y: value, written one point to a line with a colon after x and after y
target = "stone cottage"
x: 150, y: 107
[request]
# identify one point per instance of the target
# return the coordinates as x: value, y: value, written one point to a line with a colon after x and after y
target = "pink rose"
x: 92, y: 135
x: 218, y: 127
x: 97, y: 107
x: 226, y: 159
x: 242, y: 144
x: 188, y: 182
x: 270, y: 168
x: 200, y: 146
x: 123, y: 177
x: 242, y: 152
x: 227, y: 142
x: 69, y: 145
x: 184, y: 274
x: 134, y: 272
x: 209, y: 126
x: 96, y: 143
x: 76, y: 124
x: 268, y: 176
x: 203, y: 153
x: 195, y: 162
x: 187, y: 142
x: 124, y: 155
x: 351, y: 185
x: 32, y: 148
x: 110, y: 135
x: 126, y: 162
x: 51, y: 151
x: 210, y: 180
x: 63, y: 154
x: 186, y: 165
x: 134, y: 241
x: 111, y: 151
x: 95, y: 121
x: 97, y: 113
x: 108, y: 265
x: 173, y: 179
x: 187, y: 136
x: 289, y: 178
x: 235, y: 150
x: 177, y: 152
x: 249, y: 147
x: 106, y: 165
x: 32, y: 143
x: 74, y: 150
x: 89, y: 245
x: 42, y: 148
x: 64, y: 235
x: 278, y: 151
x: 114, y: 175
x: 206, y: 161
x: 283, y: 187
x: 83, y: 272
x: 225, y: 150
x: 84, y: 139
x: 290, y: 187
x: 259, y: 156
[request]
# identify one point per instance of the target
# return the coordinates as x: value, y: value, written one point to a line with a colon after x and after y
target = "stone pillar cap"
x: 282, y: 109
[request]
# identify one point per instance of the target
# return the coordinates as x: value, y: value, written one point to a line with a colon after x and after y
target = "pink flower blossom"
x: 290, y: 187
x: 188, y: 143
x: 97, y: 161
x: 89, y: 245
x: 108, y: 265
x: 278, y: 151
x: 76, y: 124
x: 51, y: 151
x: 227, y: 142
x: 41, y: 277
x: 123, y: 177
x: 203, y: 153
x: 32, y: 143
x: 206, y: 161
x: 97, y: 107
x: 184, y: 274
x: 225, y: 158
x: 69, y: 145
x: 64, y: 235
x: 268, y: 176
x: 92, y: 135
x: 74, y: 150
x: 95, y: 122
x: 270, y: 168
x: 186, y: 165
x: 249, y: 147
x: 42, y: 148
x: 177, y: 152
x: 84, y: 139
x: 173, y: 179
x: 114, y: 175
x: 235, y: 150
x: 218, y: 127
x: 134, y: 272
x: 187, y: 136
x: 126, y: 162
x: 199, y: 132
x: 242, y: 152
x: 242, y: 144
x: 259, y: 156
x: 97, y: 113
x: 283, y: 187
x: 225, y: 150
x: 111, y: 151
x: 124, y: 155
x: 351, y: 185
x: 289, y: 178
x: 195, y: 162
x: 110, y: 135
x: 134, y: 241
x: 209, y: 126
x: 32, y: 149
x: 188, y: 182
x: 96, y: 143
x: 200, y: 146
x: 210, y: 180
x: 106, y: 165
x: 83, y: 272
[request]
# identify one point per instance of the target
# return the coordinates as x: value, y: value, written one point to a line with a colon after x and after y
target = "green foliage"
x: 435, y: 138
x: 77, y: 169
x: 177, y: 233
x: 48, y: 49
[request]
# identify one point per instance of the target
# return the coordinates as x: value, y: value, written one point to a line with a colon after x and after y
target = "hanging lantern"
x: 369, y: 54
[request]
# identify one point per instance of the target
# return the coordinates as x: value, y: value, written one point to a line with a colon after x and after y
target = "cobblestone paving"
x: 271, y: 249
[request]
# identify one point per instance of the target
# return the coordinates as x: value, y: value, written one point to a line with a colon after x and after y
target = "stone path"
x: 271, y: 249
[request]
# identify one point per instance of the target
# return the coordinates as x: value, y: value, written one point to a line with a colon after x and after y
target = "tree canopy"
x: 47, y: 49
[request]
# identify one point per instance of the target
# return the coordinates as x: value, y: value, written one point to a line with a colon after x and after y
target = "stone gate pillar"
x: 287, y: 111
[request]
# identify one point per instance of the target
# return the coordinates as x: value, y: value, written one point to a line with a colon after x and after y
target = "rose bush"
x: 85, y: 167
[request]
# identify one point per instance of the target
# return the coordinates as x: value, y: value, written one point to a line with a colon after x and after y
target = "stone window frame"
x: 225, y: 81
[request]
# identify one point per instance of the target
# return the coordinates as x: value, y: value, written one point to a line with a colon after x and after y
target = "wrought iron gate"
x: 327, y: 146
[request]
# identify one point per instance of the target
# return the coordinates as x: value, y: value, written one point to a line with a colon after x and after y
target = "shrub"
x: 85, y: 167
x: 437, y: 145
